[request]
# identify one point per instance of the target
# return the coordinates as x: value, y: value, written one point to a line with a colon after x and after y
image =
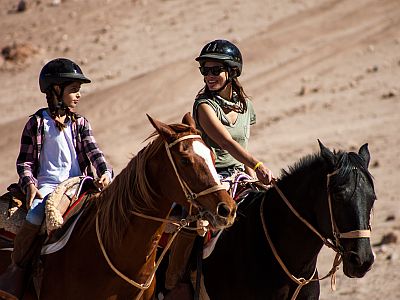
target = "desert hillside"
x: 326, y: 69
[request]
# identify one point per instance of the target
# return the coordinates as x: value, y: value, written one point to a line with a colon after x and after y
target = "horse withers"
x: 271, y: 250
x: 111, y: 254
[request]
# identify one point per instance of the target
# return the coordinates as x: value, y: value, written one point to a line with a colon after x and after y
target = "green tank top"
x: 240, y: 130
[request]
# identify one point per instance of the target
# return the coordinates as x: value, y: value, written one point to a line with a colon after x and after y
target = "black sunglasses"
x: 215, y: 70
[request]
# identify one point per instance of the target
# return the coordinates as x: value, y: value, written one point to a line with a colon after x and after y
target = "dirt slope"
x: 314, y: 69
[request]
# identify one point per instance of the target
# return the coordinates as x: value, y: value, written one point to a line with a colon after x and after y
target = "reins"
x: 336, y: 247
x: 146, y: 285
x: 190, y: 196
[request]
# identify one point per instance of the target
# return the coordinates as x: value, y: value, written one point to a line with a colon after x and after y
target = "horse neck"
x: 136, y: 190
x: 306, y: 191
x: 136, y: 253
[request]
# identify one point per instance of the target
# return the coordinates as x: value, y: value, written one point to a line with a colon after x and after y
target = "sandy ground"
x: 324, y: 69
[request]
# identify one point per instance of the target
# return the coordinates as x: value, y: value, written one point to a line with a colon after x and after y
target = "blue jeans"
x: 36, y: 212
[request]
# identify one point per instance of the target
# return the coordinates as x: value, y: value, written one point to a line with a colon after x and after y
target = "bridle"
x: 353, y: 234
x: 190, y: 197
x: 336, y: 246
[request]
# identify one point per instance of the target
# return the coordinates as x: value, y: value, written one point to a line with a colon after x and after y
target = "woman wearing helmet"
x: 56, y: 144
x: 223, y: 113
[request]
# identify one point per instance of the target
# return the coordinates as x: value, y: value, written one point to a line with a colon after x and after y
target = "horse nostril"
x: 223, y: 210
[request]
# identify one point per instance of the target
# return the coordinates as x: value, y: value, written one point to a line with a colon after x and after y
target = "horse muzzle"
x: 356, y: 264
x: 223, y: 217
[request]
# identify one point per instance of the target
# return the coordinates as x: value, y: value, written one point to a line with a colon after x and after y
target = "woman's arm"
x: 220, y: 135
x: 250, y: 171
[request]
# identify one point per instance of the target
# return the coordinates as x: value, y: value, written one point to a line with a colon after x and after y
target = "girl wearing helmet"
x: 56, y: 144
x: 223, y: 113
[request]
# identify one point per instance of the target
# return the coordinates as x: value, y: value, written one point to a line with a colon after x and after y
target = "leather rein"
x: 336, y: 246
x: 190, y: 197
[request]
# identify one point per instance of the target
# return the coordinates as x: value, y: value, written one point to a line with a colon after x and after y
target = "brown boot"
x: 13, y: 280
x: 179, y: 257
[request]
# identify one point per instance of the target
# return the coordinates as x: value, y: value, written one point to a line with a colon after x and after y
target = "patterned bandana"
x: 234, y: 104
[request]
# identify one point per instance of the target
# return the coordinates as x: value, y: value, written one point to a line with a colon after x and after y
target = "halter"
x: 361, y: 233
x: 190, y: 196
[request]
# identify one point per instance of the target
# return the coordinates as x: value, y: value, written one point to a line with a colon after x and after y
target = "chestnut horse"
x: 271, y: 250
x: 112, y: 253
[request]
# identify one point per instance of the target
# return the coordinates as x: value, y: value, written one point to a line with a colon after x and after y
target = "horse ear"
x: 327, y: 154
x: 364, y: 154
x: 188, y: 120
x: 163, y: 129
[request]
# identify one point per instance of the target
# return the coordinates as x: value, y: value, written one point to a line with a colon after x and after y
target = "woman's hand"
x: 31, y: 193
x: 264, y: 174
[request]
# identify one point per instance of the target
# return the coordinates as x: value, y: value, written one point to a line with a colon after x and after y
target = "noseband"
x: 360, y: 233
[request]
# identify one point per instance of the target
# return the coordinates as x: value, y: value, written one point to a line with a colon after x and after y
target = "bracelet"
x: 257, y: 165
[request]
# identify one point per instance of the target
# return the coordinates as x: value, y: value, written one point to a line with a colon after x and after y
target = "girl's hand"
x: 31, y: 193
x: 103, y: 181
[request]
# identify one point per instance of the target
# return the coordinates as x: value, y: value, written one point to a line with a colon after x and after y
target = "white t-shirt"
x: 58, y: 159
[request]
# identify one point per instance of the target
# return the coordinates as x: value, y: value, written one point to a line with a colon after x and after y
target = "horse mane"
x: 129, y: 191
x: 346, y: 161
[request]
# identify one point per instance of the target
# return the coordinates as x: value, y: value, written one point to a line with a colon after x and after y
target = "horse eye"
x: 185, y: 161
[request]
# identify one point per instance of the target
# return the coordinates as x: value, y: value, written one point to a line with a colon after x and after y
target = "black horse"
x: 333, y: 193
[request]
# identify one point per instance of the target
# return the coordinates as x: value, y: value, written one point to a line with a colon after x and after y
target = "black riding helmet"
x: 58, y: 72
x: 224, y: 51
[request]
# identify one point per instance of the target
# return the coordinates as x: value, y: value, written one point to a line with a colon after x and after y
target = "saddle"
x: 63, y: 207
x: 66, y: 200
x: 62, y: 204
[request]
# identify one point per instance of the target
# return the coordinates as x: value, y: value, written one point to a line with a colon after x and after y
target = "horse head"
x: 351, y: 197
x: 189, y: 174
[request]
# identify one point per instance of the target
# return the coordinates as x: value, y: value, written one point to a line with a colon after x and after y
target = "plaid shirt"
x: 31, y: 144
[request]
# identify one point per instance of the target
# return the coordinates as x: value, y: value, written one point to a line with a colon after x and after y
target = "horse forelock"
x: 348, y: 161
x: 183, y: 128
